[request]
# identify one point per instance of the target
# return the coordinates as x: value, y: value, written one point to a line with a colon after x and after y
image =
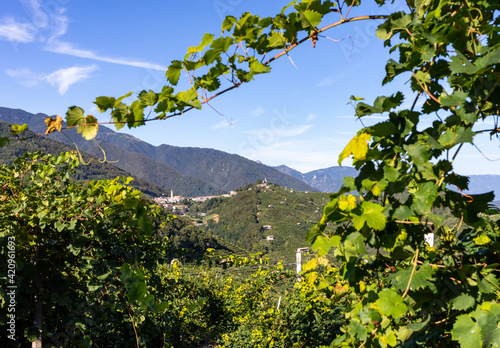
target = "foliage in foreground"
x: 413, y: 293
x: 410, y: 293
x: 70, y: 245
x: 91, y: 267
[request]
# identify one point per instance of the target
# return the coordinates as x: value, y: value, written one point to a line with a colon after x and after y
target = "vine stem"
x: 414, y: 262
x: 426, y: 90
x: 239, y: 83
x: 316, y: 32
x: 133, y: 325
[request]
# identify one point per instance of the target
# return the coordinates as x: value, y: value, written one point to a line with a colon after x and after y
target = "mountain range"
x: 187, y: 171
x: 190, y: 171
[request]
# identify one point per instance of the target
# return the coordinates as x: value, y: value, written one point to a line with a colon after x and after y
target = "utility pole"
x: 298, y: 258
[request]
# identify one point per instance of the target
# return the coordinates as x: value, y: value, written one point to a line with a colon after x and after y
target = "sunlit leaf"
x: 18, y: 128
x: 53, y: 124
x: 357, y: 147
x: 467, y: 332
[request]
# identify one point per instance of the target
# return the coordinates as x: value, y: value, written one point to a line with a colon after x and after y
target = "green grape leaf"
x: 313, y: 233
x: 323, y: 244
x: 357, y: 329
x: 74, y: 116
x: 463, y: 302
x: 382, y: 129
x: 461, y: 65
x: 456, y: 135
x: 174, y: 72
x: 421, y: 278
x: 403, y: 212
x: 313, y: 18
x: 381, y: 104
x: 228, y: 23
x: 136, y: 115
x: 467, y: 332
x: 222, y: 44
x: 454, y: 99
x: 276, y: 40
x: 105, y: 103
x: 118, y: 101
x: 371, y: 214
x: 149, y: 97
x: 207, y: 40
x: 126, y: 271
x: 489, y: 59
x: 419, y: 326
x: 138, y: 291
x: 120, y: 114
x: 488, y: 284
x: 390, y: 303
x: 257, y: 67
x: 424, y: 197
x: 189, y: 97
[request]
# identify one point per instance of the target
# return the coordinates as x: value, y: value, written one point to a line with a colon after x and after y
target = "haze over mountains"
x: 192, y: 171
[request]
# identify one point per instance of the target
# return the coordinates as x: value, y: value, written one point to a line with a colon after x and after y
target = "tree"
x: 413, y: 292
x: 80, y: 253
x: 410, y: 292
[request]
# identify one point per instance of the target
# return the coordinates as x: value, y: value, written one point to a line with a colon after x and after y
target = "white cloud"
x: 63, y: 78
x: 257, y: 111
x: 311, y: 117
x: 325, y: 82
x: 269, y: 134
x: 38, y: 16
x: 48, y: 24
x: 13, y: 31
x: 229, y: 123
x: 25, y: 77
x: 47, y: 18
x: 60, y: 47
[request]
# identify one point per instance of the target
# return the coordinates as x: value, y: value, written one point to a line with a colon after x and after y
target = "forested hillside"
x: 93, y: 170
x: 245, y: 218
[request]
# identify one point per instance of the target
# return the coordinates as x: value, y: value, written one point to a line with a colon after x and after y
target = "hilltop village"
x: 176, y: 203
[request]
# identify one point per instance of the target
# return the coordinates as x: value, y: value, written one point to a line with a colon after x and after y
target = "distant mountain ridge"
x: 325, y: 180
x: 186, y: 170
x: 93, y: 170
x: 193, y: 171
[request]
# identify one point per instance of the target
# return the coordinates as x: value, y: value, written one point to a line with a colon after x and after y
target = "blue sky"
x: 59, y: 53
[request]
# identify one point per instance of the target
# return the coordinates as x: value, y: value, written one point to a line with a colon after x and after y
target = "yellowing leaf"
x: 89, y: 128
x: 362, y: 286
x: 17, y: 129
x: 347, y: 203
x: 310, y: 265
x: 482, y: 240
x: 53, y: 124
x: 357, y: 147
